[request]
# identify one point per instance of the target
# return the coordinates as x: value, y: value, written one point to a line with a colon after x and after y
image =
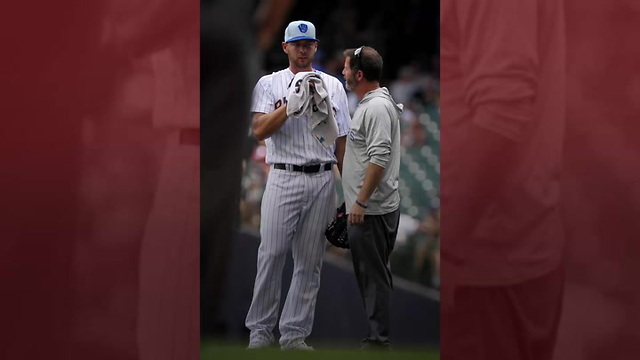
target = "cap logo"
x: 303, y: 28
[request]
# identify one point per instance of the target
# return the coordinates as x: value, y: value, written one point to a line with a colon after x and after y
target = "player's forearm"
x: 371, y: 181
x: 341, y: 144
x: 264, y: 125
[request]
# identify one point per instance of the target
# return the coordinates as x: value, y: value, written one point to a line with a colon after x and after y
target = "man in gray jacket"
x: 370, y: 185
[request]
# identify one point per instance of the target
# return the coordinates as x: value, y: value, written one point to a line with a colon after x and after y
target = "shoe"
x: 299, y: 346
x: 258, y: 345
x: 375, y: 346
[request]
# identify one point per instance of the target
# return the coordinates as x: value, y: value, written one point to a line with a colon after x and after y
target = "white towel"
x: 315, y: 102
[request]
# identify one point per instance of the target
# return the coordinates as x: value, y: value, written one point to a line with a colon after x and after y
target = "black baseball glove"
x: 336, y: 232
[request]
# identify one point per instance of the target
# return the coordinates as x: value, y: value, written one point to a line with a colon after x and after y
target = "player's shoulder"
x: 329, y: 80
x: 273, y: 75
x: 267, y: 80
x: 378, y: 104
x: 281, y: 74
x: 264, y: 82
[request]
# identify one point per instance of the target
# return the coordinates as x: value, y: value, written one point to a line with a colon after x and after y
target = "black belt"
x: 308, y: 169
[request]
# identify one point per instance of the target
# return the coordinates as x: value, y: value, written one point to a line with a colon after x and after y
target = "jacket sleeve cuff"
x: 380, y: 160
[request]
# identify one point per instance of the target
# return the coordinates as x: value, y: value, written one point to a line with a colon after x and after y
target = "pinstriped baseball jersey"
x: 295, y: 209
x: 294, y: 143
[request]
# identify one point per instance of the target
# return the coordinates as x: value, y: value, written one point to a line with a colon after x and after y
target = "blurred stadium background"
x: 406, y: 33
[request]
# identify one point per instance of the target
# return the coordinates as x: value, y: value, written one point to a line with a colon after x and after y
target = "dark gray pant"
x: 371, y: 245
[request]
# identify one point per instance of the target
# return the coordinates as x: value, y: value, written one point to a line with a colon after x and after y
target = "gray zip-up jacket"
x: 374, y: 137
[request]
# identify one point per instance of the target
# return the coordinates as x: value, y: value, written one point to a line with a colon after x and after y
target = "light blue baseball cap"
x: 300, y: 30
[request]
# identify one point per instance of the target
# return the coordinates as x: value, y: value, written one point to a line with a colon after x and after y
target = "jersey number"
x: 280, y: 102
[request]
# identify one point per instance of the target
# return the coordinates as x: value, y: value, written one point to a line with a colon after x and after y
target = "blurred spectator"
x: 405, y: 85
x: 415, y: 136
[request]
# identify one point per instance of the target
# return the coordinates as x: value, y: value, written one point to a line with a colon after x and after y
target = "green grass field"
x: 232, y: 351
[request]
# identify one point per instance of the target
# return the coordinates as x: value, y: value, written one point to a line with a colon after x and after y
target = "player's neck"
x: 296, y: 70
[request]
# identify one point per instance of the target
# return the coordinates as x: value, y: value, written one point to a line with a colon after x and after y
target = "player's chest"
x: 280, y: 93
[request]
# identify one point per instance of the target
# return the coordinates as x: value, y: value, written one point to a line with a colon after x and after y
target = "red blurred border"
x: 78, y: 148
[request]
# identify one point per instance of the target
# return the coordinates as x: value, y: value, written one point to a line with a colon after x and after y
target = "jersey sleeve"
x: 262, y: 98
x: 341, y: 105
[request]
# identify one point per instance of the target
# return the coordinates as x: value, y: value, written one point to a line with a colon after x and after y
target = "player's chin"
x: 304, y: 62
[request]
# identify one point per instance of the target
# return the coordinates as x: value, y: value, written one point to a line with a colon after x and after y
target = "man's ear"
x: 284, y: 47
x: 359, y: 75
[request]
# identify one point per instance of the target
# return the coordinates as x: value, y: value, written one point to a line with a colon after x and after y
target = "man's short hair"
x: 367, y: 60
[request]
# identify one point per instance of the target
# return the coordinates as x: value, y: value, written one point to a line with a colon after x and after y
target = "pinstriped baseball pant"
x: 296, y: 208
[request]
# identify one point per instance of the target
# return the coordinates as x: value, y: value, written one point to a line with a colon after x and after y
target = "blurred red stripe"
x: 80, y: 163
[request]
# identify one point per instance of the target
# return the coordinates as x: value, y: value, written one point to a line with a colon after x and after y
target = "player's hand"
x: 356, y: 215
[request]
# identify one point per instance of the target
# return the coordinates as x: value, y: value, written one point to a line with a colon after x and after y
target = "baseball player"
x: 370, y: 185
x: 299, y: 198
